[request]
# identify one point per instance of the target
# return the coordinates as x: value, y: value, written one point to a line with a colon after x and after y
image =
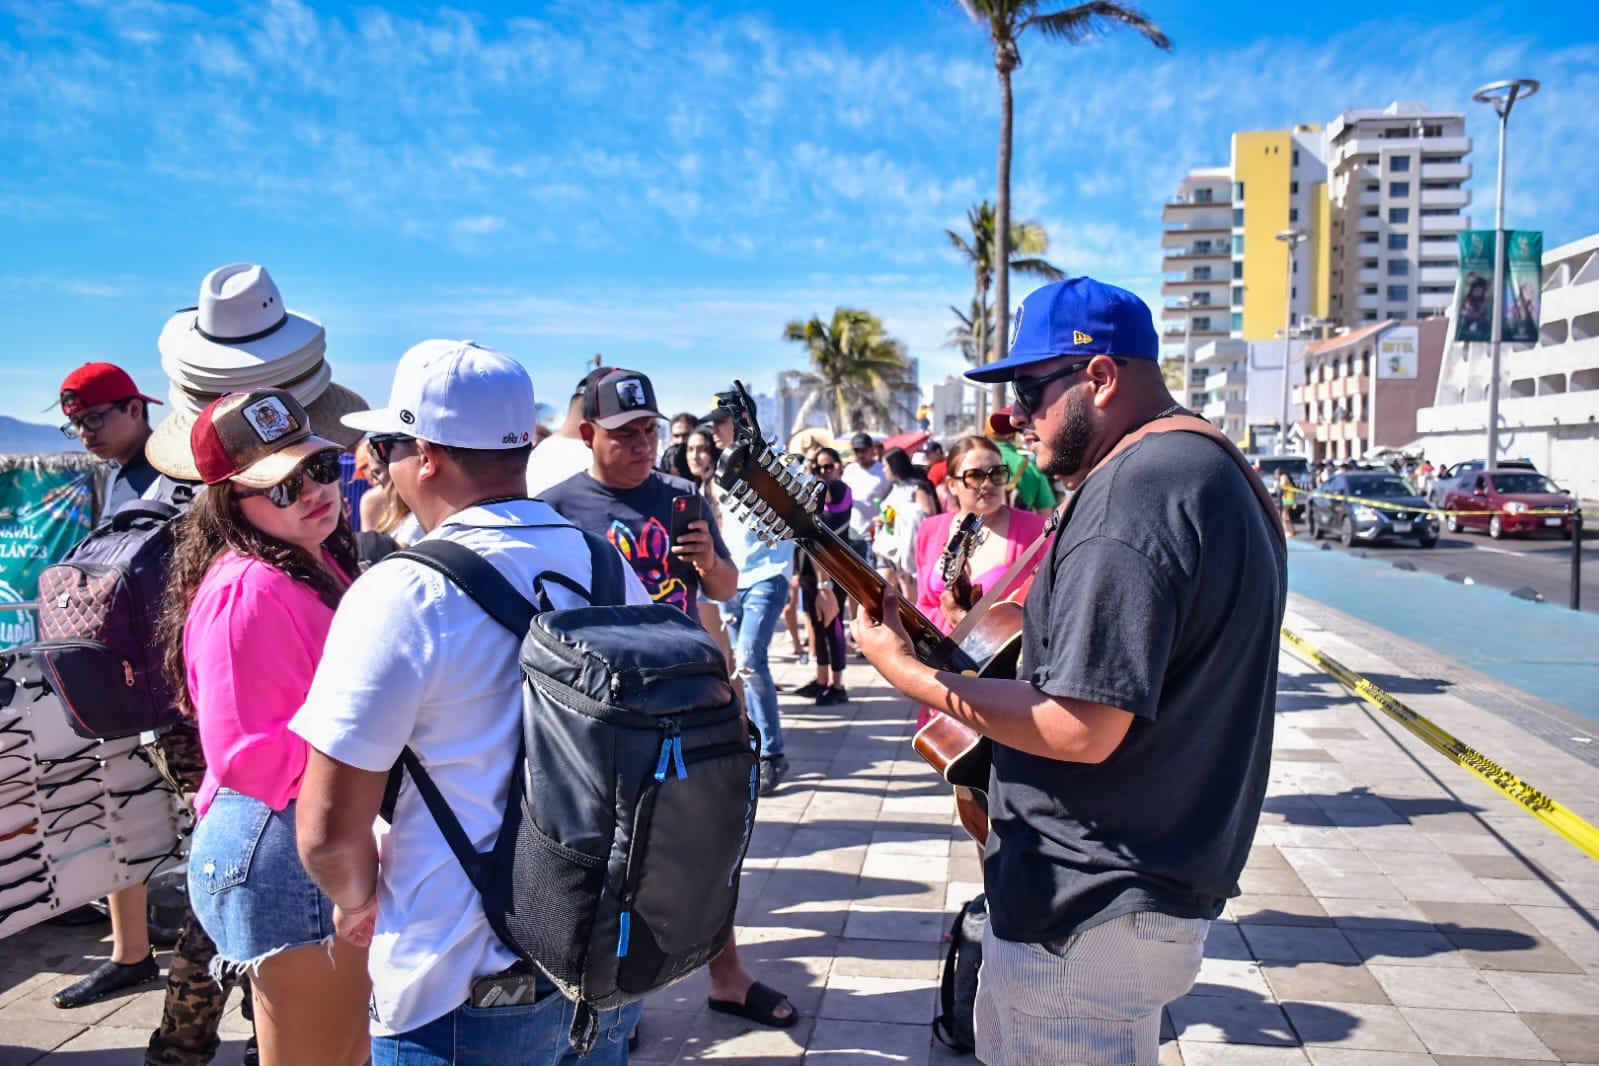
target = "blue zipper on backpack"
x: 671, y: 751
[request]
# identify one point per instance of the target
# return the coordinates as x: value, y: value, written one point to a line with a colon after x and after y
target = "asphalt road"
x: 1541, y: 563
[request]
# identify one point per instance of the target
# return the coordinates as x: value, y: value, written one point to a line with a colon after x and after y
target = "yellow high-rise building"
x: 1279, y: 185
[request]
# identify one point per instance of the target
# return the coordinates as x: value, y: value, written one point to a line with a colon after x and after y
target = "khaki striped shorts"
x: 1092, y: 999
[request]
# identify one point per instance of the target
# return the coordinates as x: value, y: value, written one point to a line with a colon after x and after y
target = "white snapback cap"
x: 457, y: 393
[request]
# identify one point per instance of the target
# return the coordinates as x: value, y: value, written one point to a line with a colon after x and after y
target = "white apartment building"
x: 1398, y: 190
x: 1549, y: 392
x: 954, y: 408
x: 1242, y: 392
x: 1197, y: 255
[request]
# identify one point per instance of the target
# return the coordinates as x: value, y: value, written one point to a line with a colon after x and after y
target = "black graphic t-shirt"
x: 638, y: 521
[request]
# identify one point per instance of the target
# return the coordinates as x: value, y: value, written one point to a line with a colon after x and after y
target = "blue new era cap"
x: 1078, y: 316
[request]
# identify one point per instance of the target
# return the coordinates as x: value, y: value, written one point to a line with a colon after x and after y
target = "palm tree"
x: 1028, y: 242
x: 858, y: 376
x: 971, y: 327
x: 1006, y: 21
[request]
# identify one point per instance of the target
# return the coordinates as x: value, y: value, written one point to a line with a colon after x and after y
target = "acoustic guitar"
x: 775, y: 498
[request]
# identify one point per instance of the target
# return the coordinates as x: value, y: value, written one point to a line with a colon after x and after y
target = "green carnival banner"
x: 47, y: 505
x: 1523, y: 286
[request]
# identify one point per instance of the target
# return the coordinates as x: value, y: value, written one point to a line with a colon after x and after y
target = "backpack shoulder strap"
x: 478, y: 578
x: 608, y: 585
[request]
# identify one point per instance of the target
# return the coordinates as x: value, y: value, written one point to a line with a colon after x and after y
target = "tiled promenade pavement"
x: 1394, y: 912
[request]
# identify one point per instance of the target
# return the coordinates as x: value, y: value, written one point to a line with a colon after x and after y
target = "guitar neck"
x: 865, y: 586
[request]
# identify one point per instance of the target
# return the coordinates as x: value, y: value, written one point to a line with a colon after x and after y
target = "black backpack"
x: 957, y: 984
x: 98, y: 610
x: 632, y: 798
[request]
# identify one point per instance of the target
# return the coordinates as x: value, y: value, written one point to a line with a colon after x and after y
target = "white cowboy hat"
x: 241, y: 337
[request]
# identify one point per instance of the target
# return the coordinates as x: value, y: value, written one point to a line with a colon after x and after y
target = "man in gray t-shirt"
x: 1130, y: 759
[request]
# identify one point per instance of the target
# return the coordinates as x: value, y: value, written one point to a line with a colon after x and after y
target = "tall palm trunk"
x: 1004, y: 62
x: 982, y: 343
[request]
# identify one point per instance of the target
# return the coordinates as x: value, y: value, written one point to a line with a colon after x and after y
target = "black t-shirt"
x: 638, y: 521
x: 1163, y: 596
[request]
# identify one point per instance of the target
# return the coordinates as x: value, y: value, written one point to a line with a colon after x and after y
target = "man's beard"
x: 1068, y: 448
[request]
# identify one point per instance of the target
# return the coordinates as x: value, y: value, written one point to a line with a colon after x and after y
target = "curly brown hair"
x: 213, y: 525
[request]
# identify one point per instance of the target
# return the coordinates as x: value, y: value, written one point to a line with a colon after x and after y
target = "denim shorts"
x: 248, y: 887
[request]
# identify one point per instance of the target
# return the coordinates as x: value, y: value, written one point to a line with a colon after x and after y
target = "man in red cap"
x: 107, y: 412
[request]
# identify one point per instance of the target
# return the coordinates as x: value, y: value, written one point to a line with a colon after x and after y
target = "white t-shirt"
x: 868, y: 485
x: 410, y: 660
x: 554, y: 460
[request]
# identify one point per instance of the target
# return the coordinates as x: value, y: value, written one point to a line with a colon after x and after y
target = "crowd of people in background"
x: 313, y: 660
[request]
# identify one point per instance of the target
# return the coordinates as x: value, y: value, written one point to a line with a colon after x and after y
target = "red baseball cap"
x: 96, y: 384
x: 999, y: 424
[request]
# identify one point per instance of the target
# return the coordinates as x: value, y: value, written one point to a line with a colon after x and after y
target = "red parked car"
x: 1509, y: 501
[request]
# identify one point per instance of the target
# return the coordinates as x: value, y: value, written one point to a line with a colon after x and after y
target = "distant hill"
x: 28, y: 438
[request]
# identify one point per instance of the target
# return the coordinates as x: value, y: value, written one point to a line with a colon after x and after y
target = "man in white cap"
x: 412, y: 661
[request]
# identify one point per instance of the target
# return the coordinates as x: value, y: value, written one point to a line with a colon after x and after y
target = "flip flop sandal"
x: 759, y: 1006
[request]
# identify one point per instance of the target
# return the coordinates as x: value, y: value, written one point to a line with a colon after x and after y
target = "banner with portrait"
x: 1523, y: 275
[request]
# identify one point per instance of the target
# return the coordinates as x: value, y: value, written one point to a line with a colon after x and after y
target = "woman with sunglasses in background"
x: 822, y: 603
x: 979, y: 480
x: 261, y: 560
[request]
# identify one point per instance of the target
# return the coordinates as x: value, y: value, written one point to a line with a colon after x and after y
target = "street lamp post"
x: 1503, y: 96
x: 1293, y: 238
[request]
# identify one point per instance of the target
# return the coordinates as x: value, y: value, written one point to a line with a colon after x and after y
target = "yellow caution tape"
x: 1539, y: 804
x: 1378, y: 505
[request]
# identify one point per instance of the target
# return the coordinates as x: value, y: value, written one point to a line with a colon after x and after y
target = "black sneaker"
x: 810, y: 691
x: 107, y: 979
x: 773, y: 768
x: 832, y: 695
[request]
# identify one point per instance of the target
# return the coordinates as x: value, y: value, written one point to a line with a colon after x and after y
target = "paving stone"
x: 1369, y: 1026
x: 1197, y: 1053
x: 1395, y: 914
x: 857, y: 1043
x: 27, y: 1039
x: 1272, y: 882
x: 1480, y: 1033
x: 1338, y: 1056
x: 1231, y: 1020
x: 1475, y: 917
x: 870, y: 923
x: 1230, y: 977
x: 1445, y: 987
x: 1547, y: 993
x: 1322, y: 982
x: 901, y: 1000
x: 1286, y: 943
x: 1502, y: 866
x: 1224, y: 941
x: 1405, y: 948
x: 1571, y: 1036
x: 1514, y: 952
x: 918, y: 959
x: 1278, y: 910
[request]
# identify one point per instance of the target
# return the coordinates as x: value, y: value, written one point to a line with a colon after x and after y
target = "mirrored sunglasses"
x: 323, y: 468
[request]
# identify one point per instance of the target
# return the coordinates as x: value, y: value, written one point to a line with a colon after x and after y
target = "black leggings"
x: 830, y: 646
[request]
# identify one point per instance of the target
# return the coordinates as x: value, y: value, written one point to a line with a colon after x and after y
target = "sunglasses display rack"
x: 78, y: 818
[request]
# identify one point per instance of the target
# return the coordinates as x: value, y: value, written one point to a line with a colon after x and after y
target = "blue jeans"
x: 532, y: 1035
x: 752, y: 616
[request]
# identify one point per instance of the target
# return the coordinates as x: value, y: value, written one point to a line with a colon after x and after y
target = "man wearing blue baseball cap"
x: 1130, y: 759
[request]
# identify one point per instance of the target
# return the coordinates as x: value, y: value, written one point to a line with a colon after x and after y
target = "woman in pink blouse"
x: 979, y: 480
x: 262, y: 558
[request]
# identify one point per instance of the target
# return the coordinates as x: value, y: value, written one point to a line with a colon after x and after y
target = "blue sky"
x: 667, y: 184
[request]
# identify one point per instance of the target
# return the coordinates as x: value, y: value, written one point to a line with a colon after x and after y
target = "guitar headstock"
x: 768, y: 490
x: 960, y: 547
